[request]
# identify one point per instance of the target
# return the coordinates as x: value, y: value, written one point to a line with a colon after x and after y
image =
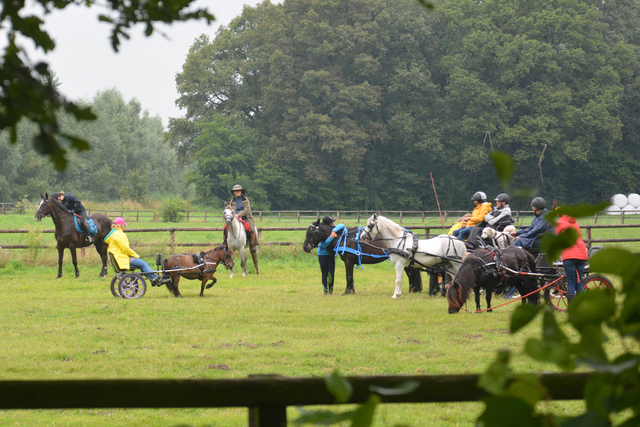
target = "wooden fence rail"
x: 429, y: 231
x: 266, y: 396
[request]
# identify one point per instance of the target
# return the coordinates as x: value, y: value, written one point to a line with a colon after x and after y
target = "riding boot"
x: 570, y: 298
x: 85, y: 228
x: 224, y: 232
x: 252, y: 243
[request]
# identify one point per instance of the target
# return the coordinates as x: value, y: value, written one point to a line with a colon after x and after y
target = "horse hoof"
x: 395, y: 296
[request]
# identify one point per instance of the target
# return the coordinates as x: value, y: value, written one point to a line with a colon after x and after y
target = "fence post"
x: 595, y: 218
x: 298, y: 216
x: 3, y: 211
x: 268, y: 416
x: 588, y: 236
x: 205, y: 216
x: 358, y: 217
x: 279, y: 214
x: 187, y: 215
x: 623, y: 217
x: 400, y: 217
x: 446, y: 217
x: 318, y: 215
x: 423, y: 217
x: 338, y: 216
x: 260, y: 215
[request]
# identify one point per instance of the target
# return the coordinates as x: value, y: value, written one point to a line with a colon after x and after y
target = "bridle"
x: 312, y: 240
x: 228, y: 218
x: 226, y: 261
x: 40, y: 212
x: 369, y: 229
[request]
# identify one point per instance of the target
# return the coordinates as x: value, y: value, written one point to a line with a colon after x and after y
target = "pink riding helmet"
x: 120, y: 221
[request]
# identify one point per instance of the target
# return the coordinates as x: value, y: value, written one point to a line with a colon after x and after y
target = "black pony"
x: 68, y: 237
x: 485, y: 268
x: 354, y: 252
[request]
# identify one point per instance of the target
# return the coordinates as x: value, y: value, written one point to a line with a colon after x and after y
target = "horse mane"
x: 59, y: 205
x: 461, y: 286
x: 395, y: 228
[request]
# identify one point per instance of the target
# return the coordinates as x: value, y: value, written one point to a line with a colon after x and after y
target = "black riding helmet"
x: 328, y: 220
x: 503, y: 197
x: 479, y: 196
x: 538, y: 203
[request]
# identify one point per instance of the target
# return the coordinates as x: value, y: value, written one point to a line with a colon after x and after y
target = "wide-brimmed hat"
x: 237, y: 187
x: 120, y: 221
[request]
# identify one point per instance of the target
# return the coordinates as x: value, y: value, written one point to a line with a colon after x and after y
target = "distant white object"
x: 630, y: 209
x: 613, y: 210
x: 634, y: 200
x: 619, y: 200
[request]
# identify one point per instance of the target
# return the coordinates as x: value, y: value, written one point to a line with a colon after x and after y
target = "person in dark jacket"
x: 529, y: 237
x: 326, y: 258
x: 74, y: 205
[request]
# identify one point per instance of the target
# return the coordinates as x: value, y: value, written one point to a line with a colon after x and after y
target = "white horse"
x: 237, y: 239
x: 405, y: 247
x: 501, y: 239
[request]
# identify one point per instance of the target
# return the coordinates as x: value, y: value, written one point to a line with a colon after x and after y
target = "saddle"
x: 246, y: 225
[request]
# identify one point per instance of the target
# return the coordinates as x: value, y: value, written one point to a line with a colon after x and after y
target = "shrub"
x: 172, y: 209
x: 22, y: 206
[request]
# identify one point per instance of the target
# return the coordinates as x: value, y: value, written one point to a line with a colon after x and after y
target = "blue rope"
x: 341, y: 247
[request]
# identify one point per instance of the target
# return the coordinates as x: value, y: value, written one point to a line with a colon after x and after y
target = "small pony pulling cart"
x: 200, y: 266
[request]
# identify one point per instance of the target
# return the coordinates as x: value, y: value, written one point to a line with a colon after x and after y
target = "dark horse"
x: 485, y: 268
x: 197, y: 266
x: 68, y: 237
x: 354, y: 252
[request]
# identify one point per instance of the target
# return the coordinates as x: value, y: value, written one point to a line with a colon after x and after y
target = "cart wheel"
x: 596, y: 281
x: 114, y: 287
x: 132, y: 286
x: 556, y: 295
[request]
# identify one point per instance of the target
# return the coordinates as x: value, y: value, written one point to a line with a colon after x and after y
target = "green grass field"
x: 278, y: 323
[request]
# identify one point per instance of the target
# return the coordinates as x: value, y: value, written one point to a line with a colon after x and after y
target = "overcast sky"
x: 144, y: 68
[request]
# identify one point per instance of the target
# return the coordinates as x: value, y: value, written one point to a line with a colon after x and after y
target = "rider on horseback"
x: 74, y: 205
x: 242, y: 207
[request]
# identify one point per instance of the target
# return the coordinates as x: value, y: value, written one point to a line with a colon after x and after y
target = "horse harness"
x: 201, y: 260
x: 497, y: 268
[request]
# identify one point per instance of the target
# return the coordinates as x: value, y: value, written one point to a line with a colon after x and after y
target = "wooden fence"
x: 266, y: 396
x: 429, y: 231
x: 304, y: 215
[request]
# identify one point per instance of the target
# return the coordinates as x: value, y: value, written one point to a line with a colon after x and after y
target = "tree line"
x: 356, y: 104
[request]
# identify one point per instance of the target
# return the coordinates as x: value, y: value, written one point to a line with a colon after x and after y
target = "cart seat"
x: 115, y: 265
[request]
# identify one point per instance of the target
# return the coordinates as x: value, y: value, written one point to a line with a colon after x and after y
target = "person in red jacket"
x: 574, y: 259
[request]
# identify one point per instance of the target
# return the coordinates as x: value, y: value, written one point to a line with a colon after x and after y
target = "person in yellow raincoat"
x: 477, y: 216
x: 126, y: 257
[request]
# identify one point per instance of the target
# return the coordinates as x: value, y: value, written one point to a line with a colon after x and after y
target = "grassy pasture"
x: 276, y: 323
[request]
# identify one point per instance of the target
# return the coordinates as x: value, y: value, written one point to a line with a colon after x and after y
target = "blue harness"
x: 341, y: 247
x: 92, y: 226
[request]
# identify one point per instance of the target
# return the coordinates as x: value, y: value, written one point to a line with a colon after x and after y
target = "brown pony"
x: 486, y: 269
x: 199, y: 266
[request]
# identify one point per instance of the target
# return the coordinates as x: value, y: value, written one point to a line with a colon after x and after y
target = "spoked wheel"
x: 596, y: 281
x: 132, y: 286
x: 115, y: 291
x: 556, y: 295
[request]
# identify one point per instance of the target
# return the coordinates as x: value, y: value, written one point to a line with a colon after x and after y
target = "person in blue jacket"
x: 74, y: 205
x: 529, y: 237
x: 326, y: 257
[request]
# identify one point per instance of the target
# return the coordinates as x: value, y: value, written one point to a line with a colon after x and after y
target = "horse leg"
x: 174, y: 285
x: 204, y: 281
x: 101, y: 248
x: 489, y: 290
x: 243, y: 262
x: 254, y: 257
x: 399, y: 272
x: 348, y: 266
x: 476, y: 292
x: 60, y: 257
x: 74, y: 258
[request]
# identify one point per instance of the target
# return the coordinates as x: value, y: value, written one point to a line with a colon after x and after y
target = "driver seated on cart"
x: 529, y: 237
x: 127, y: 258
